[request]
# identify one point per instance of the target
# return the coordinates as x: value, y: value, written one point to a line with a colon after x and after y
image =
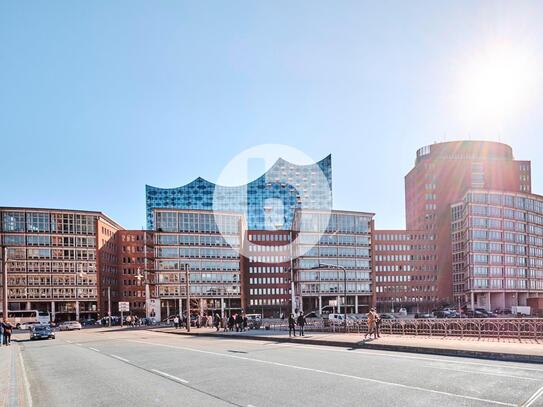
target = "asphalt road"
x: 145, y: 368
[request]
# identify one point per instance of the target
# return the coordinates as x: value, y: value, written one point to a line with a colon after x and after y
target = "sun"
x: 498, y: 82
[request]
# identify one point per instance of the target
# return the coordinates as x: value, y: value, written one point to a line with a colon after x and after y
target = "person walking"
x: 239, y: 322
x: 7, y: 327
x: 291, y: 325
x: 217, y: 322
x: 176, y: 322
x: 371, y: 323
x: 301, y: 323
x: 377, y: 324
x: 231, y: 323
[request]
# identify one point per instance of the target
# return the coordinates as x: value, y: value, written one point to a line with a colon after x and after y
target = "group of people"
x: 5, y: 333
x: 374, y: 323
x: 292, y: 322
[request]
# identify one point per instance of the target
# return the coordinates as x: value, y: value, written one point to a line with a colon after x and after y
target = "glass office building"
x: 267, y: 203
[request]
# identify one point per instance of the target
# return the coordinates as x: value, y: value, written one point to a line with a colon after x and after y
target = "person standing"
x: 371, y: 323
x: 217, y: 322
x: 291, y: 325
x: 377, y: 324
x: 176, y: 322
x: 301, y: 323
x: 239, y: 323
x: 7, y: 332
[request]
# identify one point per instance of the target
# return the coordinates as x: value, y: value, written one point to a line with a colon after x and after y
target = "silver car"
x: 69, y: 326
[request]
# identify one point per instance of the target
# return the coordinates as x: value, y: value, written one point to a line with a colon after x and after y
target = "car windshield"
x: 41, y: 328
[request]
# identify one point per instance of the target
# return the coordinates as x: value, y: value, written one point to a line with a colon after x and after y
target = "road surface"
x: 100, y: 367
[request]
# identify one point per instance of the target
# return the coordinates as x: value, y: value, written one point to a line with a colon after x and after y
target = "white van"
x: 336, y: 319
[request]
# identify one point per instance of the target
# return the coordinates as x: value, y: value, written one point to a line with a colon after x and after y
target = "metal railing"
x: 500, y: 328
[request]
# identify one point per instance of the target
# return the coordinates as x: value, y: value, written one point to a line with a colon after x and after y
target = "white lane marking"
x: 68, y: 341
x: 120, y: 358
x: 94, y: 349
x: 534, y: 397
x: 483, y: 373
x: 363, y: 352
x: 79, y: 344
x: 26, y: 382
x: 177, y: 379
x: 366, y: 379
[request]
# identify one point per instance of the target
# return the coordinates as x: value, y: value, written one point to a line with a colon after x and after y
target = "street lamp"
x: 187, y: 288
x: 4, y: 283
x: 337, y: 267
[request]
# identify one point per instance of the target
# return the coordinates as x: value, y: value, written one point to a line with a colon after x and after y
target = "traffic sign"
x: 124, y: 306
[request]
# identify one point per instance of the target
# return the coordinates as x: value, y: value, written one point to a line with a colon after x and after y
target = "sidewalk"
x: 488, y: 348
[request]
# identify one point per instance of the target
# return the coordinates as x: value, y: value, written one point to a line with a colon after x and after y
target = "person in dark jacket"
x: 301, y: 323
x: 291, y: 325
x: 239, y: 323
x: 231, y: 323
x: 7, y: 327
x: 217, y: 321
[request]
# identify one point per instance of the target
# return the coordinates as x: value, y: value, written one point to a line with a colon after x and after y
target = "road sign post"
x: 124, y: 306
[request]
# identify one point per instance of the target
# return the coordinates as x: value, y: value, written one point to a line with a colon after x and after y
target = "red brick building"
x: 442, y: 175
x: 405, y: 268
x: 266, y: 287
x: 135, y: 254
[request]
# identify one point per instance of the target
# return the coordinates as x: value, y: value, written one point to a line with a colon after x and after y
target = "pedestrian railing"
x: 501, y: 328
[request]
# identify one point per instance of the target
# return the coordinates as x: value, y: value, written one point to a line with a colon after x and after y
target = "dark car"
x: 424, y: 315
x: 387, y: 316
x: 41, y: 332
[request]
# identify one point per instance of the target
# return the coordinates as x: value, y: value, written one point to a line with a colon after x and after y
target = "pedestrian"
x: 245, y: 323
x: 231, y: 323
x: 217, y: 322
x: 301, y: 323
x: 239, y: 322
x: 377, y: 324
x: 371, y: 323
x: 1, y: 334
x: 176, y: 322
x: 7, y: 327
x: 291, y: 325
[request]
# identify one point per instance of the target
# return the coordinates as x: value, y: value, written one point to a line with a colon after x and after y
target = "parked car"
x: 69, y: 326
x: 41, y: 332
x: 88, y: 322
x: 27, y: 325
x: 387, y: 316
x: 254, y: 321
x: 424, y: 315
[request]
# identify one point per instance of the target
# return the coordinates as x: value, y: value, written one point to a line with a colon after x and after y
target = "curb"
x: 504, y: 357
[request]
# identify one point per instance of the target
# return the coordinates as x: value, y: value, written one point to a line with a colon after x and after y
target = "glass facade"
x: 191, y: 241
x: 268, y: 202
x: 51, y: 260
x: 345, y: 245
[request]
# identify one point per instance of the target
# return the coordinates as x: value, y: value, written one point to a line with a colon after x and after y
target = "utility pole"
x: 145, y: 277
x: 109, y: 305
x: 187, y: 287
x: 4, y: 284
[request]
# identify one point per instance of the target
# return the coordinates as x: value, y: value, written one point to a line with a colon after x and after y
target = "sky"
x: 99, y: 98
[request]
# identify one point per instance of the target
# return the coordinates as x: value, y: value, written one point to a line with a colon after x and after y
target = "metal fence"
x: 501, y: 328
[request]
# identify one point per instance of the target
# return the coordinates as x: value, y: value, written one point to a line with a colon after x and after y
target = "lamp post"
x: 4, y: 283
x: 337, y: 267
x: 187, y: 289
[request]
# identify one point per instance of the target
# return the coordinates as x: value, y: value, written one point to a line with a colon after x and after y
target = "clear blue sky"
x: 98, y: 98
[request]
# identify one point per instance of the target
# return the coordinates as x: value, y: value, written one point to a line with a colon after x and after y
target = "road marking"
x: 348, y: 376
x: 79, y: 344
x: 534, y: 397
x: 363, y: 352
x: 68, y: 341
x: 94, y: 349
x: 120, y: 358
x: 483, y: 373
x: 26, y: 382
x: 177, y: 379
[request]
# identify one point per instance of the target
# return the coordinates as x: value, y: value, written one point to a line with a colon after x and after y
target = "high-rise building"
x: 56, y: 258
x: 135, y: 255
x: 497, y: 248
x: 405, y: 267
x: 267, y: 278
x: 442, y: 175
x: 204, y: 247
x: 333, y: 261
x: 267, y: 203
